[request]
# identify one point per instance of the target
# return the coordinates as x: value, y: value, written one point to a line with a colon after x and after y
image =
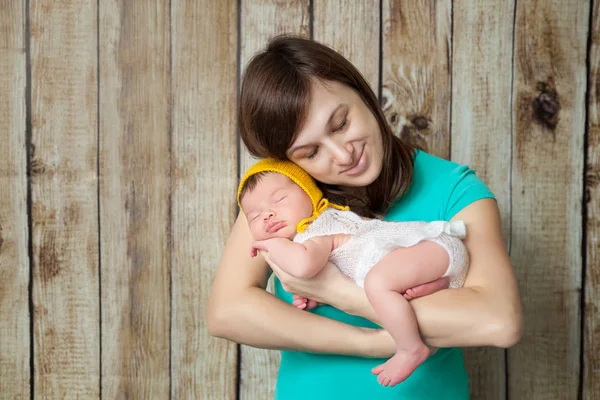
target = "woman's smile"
x: 359, y: 166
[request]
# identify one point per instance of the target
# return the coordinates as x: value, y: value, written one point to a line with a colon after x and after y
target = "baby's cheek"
x: 254, y: 232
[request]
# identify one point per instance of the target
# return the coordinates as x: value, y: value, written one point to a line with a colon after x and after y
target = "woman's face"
x: 340, y: 142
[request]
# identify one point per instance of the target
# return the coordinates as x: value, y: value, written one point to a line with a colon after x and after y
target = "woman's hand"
x: 318, y: 288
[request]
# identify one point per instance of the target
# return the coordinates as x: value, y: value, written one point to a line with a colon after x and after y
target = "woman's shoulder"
x: 439, y: 189
x: 431, y: 167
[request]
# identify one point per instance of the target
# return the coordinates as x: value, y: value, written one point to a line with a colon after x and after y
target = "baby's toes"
x: 377, y: 369
x: 383, y: 379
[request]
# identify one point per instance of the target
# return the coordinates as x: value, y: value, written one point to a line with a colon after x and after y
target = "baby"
x: 300, y: 231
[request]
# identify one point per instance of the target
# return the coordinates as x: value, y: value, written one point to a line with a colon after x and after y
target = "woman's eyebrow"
x: 339, y: 106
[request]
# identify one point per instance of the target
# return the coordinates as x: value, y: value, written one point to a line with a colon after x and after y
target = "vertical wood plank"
x: 204, y: 38
x: 591, y: 344
x: 259, y: 21
x: 352, y: 28
x: 548, y: 110
x: 14, y: 260
x: 481, y: 136
x: 64, y: 211
x: 416, y: 60
x: 134, y: 198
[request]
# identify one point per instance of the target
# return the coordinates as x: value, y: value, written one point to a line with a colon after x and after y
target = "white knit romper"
x: 373, y: 239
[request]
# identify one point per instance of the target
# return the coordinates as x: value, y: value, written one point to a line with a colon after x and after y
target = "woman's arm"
x: 485, y: 312
x: 240, y: 309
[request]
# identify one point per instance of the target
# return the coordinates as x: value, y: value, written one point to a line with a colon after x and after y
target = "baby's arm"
x: 302, y: 260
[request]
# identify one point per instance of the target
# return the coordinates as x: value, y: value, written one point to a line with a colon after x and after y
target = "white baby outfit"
x: 373, y: 239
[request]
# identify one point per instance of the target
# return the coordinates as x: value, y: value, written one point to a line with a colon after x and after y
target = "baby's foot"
x: 303, y: 303
x: 400, y: 366
x: 299, y: 301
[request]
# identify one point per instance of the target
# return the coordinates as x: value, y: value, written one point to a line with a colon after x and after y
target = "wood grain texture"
x: 204, y: 181
x: 415, y: 92
x: 482, y: 46
x: 259, y: 21
x: 549, y: 114
x: 591, y: 337
x: 64, y: 208
x: 134, y: 198
x: 352, y: 28
x: 14, y: 259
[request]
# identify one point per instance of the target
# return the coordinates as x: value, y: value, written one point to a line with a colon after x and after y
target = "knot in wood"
x: 546, y: 108
x: 420, y: 122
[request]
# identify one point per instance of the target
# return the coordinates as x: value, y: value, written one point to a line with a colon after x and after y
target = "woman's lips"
x: 359, y: 167
x: 275, y: 226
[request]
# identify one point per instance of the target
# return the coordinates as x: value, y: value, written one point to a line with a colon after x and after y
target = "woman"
x: 304, y: 102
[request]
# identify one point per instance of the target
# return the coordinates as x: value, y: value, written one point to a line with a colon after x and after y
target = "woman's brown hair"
x: 273, y: 106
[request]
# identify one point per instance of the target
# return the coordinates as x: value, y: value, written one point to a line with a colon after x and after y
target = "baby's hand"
x: 303, y: 303
x: 259, y: 245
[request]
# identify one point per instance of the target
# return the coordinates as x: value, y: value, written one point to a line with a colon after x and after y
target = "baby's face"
x: 275, y: 207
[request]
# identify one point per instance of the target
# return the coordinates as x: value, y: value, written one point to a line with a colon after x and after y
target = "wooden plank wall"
x: 63, y: 192
x: 15, y: 334
x: 120, y: 159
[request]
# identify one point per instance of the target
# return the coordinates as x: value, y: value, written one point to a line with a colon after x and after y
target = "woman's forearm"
x: 449, y: 318
x: 257, y: 318
x: 468, y: 316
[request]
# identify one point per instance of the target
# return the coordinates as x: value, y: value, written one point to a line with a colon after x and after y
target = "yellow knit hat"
x: 300, y: 177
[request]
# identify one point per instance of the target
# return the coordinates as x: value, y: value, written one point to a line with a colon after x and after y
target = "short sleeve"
x: 464, y: 187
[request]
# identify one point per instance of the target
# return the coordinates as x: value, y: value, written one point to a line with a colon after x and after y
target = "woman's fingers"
x: 316, y: 288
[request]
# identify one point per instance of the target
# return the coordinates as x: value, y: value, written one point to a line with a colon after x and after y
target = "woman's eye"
x: 313, y: 153
x: 341, y: 126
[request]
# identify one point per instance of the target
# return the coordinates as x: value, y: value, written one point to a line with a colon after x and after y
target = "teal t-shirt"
x: 439, y: 190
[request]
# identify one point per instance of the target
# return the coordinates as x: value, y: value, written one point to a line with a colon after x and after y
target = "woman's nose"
x: 343, y: 154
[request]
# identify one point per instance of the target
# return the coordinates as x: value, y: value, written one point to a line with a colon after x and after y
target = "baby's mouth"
x: 275, y: 226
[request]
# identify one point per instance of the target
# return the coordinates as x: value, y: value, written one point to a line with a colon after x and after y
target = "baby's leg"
x: 401, y: 269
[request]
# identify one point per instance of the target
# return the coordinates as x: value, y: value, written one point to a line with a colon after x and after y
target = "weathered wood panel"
x: 548, y: 109
x: 259, y: 21
x: 591, y: 343
x: 64, y: 208
x: 352, y: 28
x: 416, y: 72
x: 204, y: 181
x: 482, y: 49
x: 14, y: 259
x: 134, y: 198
